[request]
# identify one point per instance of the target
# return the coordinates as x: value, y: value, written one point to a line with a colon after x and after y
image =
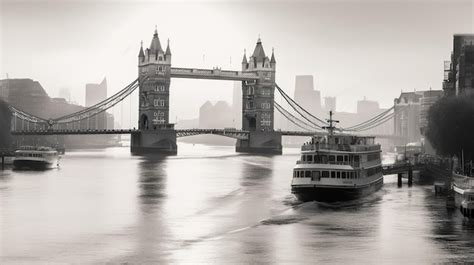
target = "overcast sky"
x: 352, y: 48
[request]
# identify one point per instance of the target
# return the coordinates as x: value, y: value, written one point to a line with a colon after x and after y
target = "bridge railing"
x: 211, y: 72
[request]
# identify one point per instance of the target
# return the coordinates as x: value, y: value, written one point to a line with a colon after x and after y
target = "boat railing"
x: 353, y: 164
x: 319, y: 146
x: 339, y: 147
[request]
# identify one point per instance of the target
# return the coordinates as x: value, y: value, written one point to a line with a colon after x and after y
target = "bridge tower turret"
x: 156, y: 133
x: 257, y: 104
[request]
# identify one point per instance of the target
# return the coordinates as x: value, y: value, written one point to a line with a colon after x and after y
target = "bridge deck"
x: 215, y: 74
x: 234, y: 133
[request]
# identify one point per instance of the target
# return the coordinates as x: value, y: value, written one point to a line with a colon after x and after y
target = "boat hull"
x: 32, y: 164
x: 333, y: 193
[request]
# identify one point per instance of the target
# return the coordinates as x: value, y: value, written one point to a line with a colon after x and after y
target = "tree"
x: 451, y: 126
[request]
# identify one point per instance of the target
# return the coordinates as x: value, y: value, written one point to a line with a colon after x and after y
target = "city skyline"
x: 377, y: 59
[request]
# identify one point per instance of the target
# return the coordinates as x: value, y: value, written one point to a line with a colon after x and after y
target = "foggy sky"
x: 353, y: 48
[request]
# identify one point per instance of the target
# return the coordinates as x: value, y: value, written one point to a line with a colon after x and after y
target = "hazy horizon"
x: 352, y: 48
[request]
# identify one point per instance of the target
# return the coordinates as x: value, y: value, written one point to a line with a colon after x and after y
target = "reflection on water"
x: 211, y: 205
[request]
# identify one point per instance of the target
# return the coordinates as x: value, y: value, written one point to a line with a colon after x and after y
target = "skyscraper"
x: 329, y: 104
x: 96, y: 93
x: 367, y: 107
x: 305, y: 94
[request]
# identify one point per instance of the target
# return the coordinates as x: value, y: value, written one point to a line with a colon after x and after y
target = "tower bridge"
x: 156, y: 134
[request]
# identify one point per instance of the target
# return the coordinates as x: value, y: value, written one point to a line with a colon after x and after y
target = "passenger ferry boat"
x: 32, y: 157
x: 337, y: 167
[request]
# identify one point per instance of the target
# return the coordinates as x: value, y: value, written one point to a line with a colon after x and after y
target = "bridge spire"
x: 244, y: 60
x: 272, y: 60
x: 155, y: 46
x: 168, y: 50
x: 141, y: 54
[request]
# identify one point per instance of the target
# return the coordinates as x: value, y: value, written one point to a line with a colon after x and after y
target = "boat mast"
x: 331, y: 127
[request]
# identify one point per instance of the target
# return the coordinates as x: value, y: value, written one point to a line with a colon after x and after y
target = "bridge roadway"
x: 216, y: 74
x: 233, y: 133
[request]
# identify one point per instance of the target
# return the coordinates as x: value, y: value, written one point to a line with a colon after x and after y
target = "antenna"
x: 331, y: 127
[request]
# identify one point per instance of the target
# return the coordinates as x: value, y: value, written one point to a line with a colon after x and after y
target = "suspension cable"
x: 292, y: 105
x: 92, y: 112
x: 129, y: 88
x: 373, y: 119
x: 292, y: 118
x: 387, y: 118
x: 296, y: 103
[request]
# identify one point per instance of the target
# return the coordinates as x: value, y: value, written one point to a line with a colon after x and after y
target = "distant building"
x: 411, y: 113
x: 96, y: 93
x: 65, y: 93
x: 407, y: 116
x: 429, y: 99
x: 215, y: 116
x: 329, y: 104
x: 305, y: 94
x: 459, y: 72
x: 367, y: 107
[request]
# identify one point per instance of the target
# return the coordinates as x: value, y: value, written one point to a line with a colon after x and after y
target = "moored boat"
x: 32, y: 157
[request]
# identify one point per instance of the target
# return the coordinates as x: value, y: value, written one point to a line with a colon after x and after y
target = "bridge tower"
x: 156, y: 134
x: 257, y: 104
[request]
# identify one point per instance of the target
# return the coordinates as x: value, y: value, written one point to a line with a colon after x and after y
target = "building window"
x: 265, y: 92
x: 266, y: 105
x: 159, y: 102
x: 266, y: 119
x: 249, y: 105
x: 250, y: 90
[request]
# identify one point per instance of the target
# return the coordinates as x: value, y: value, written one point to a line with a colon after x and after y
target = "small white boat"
x: 32, y: 157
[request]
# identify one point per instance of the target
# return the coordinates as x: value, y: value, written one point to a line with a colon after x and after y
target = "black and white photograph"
x: 236, y: 132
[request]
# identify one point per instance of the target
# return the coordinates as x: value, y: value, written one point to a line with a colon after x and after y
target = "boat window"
x: 317, y: 159
x: 324, y: 159
x: 307, y: 174
x: 346, y: 158
x: 356, y: 158
x: 303, y: 158
x: 336, y: 140
x: 338, y: 174
x: 315, y: 175
x: 340, y: 158
x: 333, y: 174
x: 343, y: 175
x: 309, y: 158
x: 332, y: 158
x: 325, y: 174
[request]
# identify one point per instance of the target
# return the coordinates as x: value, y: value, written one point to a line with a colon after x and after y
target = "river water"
x: 211, y: 205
